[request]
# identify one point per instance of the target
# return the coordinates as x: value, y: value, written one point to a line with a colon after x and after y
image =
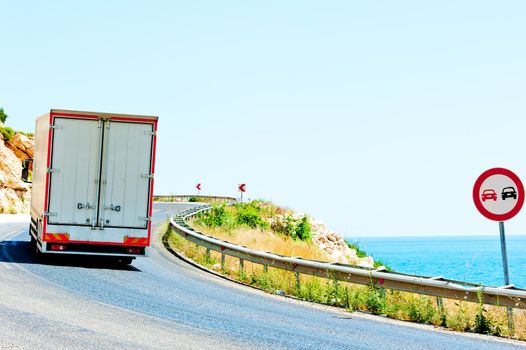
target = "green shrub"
x: 216, y: 217
x: 421, y: 310
x: 483, y: 323
x: 3, y: 116
x: 312, y: 290
x: 335, y: 294
x: 284, y: 227
x: 303, y: 229
x: 359, y: 251
x: 461, y: 320
x: 264, y: 281
x: 378, y: 263
x: 7, y: 133
x: 297, y: 230
x: 375, y: 300
x: 250, y: 216
x: 356, y: 298
x: 230, y: 217
x: 193, y: 199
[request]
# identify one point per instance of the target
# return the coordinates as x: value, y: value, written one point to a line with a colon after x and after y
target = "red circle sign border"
x: 478, y: 203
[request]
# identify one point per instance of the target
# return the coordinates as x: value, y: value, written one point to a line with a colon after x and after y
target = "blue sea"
x: 475, y: 259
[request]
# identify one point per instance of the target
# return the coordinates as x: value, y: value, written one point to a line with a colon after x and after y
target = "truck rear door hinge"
x: 147, y: 176
x: 48, y: 214
x: 144, y: 218
x: 56, y: 127
x: 53, y: 170
x: 152, y: 133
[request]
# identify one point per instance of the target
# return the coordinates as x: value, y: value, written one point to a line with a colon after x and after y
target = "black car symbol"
x: 509, y: 192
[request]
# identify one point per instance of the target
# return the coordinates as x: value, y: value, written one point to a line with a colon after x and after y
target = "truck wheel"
x: 37, y: 252
x: 34, y: 248
x: 125, y: 261
x: 32, y: 243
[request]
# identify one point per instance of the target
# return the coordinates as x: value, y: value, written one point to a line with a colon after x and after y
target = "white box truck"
x: 92, y: 181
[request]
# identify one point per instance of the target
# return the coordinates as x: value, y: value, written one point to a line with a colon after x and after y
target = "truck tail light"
x: 58, y: 247
x: 133, y: 250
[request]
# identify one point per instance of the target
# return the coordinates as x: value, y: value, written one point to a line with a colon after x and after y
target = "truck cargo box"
x: 93, y: 183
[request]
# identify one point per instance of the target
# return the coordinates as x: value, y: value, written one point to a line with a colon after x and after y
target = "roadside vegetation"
x: 248, y: 224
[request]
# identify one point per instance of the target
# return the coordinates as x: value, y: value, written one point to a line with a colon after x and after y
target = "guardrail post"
x: 511, y: 326
x: 297, y: 276
x: 440, y: 305
x: 222, y: 262
x: 207, y: 255
x: 265, y: 268
x: 242, y: 268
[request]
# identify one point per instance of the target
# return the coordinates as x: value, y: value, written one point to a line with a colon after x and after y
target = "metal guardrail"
x: 187, y: 197
x: 440, y: 287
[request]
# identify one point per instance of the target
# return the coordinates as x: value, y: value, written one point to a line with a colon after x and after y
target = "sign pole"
x: 504, y: 252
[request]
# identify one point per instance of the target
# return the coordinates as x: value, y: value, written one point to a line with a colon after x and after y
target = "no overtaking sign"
x: 498, y: 194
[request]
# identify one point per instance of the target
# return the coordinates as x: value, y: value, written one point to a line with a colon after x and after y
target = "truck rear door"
x: 127, y: 174
x: 75, y: 155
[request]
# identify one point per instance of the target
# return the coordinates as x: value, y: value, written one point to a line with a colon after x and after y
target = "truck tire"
x: 32, y: 243
x: 39, y: 256
x: 125, y: 261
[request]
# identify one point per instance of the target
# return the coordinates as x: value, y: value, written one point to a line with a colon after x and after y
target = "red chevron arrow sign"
x: 198, y: 186
x: 242, y: 187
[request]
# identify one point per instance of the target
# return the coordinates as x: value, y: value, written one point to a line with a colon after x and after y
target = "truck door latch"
x: 116, y: 208
x: 85, y: 206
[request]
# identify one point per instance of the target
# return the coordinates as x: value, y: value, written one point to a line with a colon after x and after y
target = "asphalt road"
x: 161, y: 302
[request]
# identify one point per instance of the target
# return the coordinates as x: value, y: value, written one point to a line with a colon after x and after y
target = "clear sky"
x: 374, y: 116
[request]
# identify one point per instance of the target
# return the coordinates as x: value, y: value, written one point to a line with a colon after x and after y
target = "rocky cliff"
x: 14, y: 193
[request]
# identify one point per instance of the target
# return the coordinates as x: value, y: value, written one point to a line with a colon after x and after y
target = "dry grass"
x: 265, y: 241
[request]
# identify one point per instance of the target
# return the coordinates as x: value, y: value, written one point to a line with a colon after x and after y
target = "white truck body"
x: 93, y: 183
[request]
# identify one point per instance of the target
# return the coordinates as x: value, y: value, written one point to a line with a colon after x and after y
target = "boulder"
x: 366, y: 262
x: 331, y: 237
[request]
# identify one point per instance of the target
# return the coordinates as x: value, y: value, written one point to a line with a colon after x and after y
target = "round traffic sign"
x: 498, y: 194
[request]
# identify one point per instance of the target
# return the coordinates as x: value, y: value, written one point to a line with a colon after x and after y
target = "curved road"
x: 162, y: 303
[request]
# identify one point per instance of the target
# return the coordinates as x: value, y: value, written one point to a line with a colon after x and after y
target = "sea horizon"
x: 470, y: 258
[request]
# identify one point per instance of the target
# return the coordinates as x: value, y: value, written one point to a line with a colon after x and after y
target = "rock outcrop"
x: 14, y: 193
x: 331, y: 243
x: 335, y: 246
x: 21, y: 145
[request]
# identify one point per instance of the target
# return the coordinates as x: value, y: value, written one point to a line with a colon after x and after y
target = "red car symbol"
x: 489, y: 194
